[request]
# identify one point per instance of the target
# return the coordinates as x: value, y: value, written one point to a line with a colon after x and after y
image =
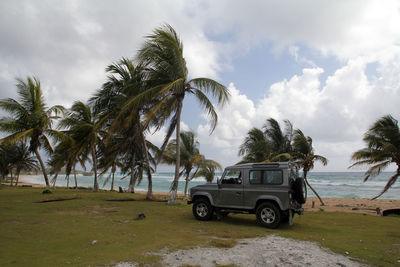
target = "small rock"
x: 94, y: 242
x: 141, y: 216
x: 361, y: 240
x: 346, y: 252
x: 355, y: 208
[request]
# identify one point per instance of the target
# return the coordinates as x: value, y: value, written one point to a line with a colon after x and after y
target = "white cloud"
x: 335, y: 114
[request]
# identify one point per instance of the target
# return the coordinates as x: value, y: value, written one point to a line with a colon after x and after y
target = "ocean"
x: 327, y: 184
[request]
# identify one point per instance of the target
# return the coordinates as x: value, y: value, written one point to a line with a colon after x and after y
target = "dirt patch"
x: 268, y: 251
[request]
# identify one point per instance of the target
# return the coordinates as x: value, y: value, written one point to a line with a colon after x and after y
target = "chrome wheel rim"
x: 201, y: 209
x: 268, y: 215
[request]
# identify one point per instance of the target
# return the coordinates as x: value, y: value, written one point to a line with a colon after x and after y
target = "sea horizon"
x: 327, y: 184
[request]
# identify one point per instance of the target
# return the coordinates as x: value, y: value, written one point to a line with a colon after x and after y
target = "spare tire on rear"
x: 300, y: 190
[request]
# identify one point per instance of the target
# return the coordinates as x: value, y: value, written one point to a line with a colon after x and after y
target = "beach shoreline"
x: 332, y: 204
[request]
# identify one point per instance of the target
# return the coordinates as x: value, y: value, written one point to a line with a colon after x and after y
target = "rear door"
x: 231, y: 189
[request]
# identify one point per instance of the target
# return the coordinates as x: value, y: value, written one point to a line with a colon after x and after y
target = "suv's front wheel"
x: 202, y: 209
x: 268, y: 215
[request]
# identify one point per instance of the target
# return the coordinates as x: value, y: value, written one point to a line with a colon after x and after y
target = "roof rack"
x: 266, y: 165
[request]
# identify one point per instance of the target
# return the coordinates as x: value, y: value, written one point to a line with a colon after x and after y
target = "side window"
x: 232, y: 177
x: 273, y: 177
x: 255, y: 177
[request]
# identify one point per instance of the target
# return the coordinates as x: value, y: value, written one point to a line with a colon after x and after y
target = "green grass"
x: 61, y: 233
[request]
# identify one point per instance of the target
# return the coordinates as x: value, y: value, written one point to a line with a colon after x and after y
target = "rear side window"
x: 273, y: 177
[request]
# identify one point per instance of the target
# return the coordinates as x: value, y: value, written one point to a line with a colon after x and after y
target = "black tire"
x: 202, y: 209
x: 300, y: 190
x: 268, y: 215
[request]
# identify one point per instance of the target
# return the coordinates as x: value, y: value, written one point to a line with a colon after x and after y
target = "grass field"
x: 90, y: 230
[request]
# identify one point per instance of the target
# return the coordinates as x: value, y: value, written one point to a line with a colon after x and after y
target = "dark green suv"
x: 273, y: 191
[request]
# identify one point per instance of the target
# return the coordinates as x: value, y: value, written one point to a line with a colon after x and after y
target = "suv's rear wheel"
x: 202, y: 209
x: 268, y: 215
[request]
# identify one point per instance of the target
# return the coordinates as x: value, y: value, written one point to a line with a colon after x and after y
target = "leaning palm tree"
x: 23, y: 160
x: 84, y: 126
x: 303, y: 153
x: 383, y: 148
x: 255, y: 148
x: 30, y: 120
x: 162, y: 54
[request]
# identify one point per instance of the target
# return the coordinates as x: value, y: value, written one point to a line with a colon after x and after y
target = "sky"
x: 330, y: 67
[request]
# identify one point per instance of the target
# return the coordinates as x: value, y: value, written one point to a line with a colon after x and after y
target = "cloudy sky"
x: 331, y: 67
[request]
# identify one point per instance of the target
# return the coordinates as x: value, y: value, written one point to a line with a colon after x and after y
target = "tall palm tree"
x: 162, y: 54
x: 125, y: 81
x: 303, y: 153
x: 30, y: 119
x: 84, y: 126
x: 383, y: 148
x: 23, y: 160
x: 255, y: 148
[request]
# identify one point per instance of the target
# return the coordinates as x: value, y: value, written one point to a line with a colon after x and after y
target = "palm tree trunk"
x: 55, y: 180
x: 46, y: 179
x: 17, y: 178
x: 132, y: 181
x: 112, y: 181
x: 12, y: 178
x: 315, y: 192
x: 149, y: 195
x: 186, y: 184
x: 76, y: 180
x: 174, y: 187
x: 96, y: 184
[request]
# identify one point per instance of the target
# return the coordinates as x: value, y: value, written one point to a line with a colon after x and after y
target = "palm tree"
x: 255, y: 148
x: 110, y: 158
x: 84, y: 126
x: 65, y: 155
x: 23, y: 160
x: 30, y: 119
x: 280, y: 141
x: 303, y: 153
x: 189, y: 154
x: 125, y: 82
x: 190, y: 157
x: 207, y: 170
x: 162, y: 54
x: 383, y: 148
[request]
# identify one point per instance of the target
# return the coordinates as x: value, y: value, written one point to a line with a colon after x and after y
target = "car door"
x: 231, y: 189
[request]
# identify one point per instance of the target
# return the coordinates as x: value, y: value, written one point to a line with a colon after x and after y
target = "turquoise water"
x: 327, y: 184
